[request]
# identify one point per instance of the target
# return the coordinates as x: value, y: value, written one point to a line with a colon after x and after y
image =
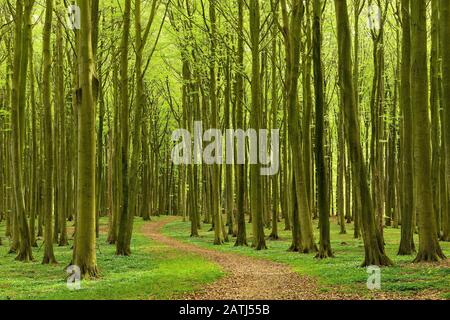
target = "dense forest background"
x: 360, y: 91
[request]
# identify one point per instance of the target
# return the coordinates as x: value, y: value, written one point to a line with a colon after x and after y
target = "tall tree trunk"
x: 60, y: 101
x: 23, y: 25
x: 122, y: 244
x: 241, y: 239
x: 215, y: 169
x: 407, y: 239
x: 341, y: 170
x: 274, y: 110
x: 35, y: 148
x: 302, y: 233
x: 308, y: 157
x: 85, y: 248
x: 429, y: 249
x: 434, y: 106
x: 49, y: 159
x: 322, y: 174
x: 229, y: 202
x: 358, y: 8
x: 259, y: 242
x: 373, y: 243
x: 117, y: 186
x: 445, y: 33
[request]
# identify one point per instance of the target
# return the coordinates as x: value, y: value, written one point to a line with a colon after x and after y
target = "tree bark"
x: 85, y: 248
x: 256, y: 198
x: 429, y: 249
x: 323, y: 201
x: 445, y: 34
x: 406, y: 241
x: 373, y: 243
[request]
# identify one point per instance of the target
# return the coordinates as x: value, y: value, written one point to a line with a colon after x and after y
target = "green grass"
x: 153, y: 271
x: 344, y: 270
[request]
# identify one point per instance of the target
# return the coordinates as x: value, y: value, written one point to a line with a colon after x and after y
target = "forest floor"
x: 153, y: 271
x: 167, y: 264
x: 278, y: 274
x: 247, y: 278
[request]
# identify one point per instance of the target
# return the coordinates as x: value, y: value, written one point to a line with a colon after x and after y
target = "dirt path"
x: 246, y: 278
x: 249, y: 278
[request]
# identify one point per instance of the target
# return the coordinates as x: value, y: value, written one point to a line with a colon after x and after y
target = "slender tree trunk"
x: 407, y: 239
x: 214, y: 170
x: 122, y: 244
x: 256, y: 204
x: 117, y: 186
x: 308, y: 157
x: 322, y: 174
x: 274, y: 110
x: 340, y: 186
x: 241, y: 239
x: 49, y: 159
x: 60, y: 101
x: 356, y: 197
x: 434, y: 106
x: 229, y: 203
x: 35, y: 160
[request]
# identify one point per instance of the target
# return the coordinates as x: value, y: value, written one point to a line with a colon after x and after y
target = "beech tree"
x: 84, y: 254
x: 322, y: 174
x: 302, y: 235
x: 407, y: 240
x: 241, y: 239
x: 125, y: 217
x: 445, y: 121
x: 49, y: 197
x: 429, y: 249
x: 22, y: 239
x: 373, y: 243
x: 255, y: 121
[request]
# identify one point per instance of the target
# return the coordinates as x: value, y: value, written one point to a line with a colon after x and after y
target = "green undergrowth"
x: 344, y: 270
x: 153, y: 271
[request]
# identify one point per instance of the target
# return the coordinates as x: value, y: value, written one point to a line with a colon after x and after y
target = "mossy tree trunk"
x: 256, y: 199
x: 406, y: 240
x: 60, y: 110
x: 434, y: 107
x: 122, y: 244
x: 373, y: 242
x: 215, y: 169
x: 21, y: 232
x: 429, y: 249
x: 445, y: 122
x: 302, y: 232
x: 322, y: 174
x: 241, y: 239
x: 116, y: 179
x: 34, y: 206
x: 274, y: 111
x: 85, y: 247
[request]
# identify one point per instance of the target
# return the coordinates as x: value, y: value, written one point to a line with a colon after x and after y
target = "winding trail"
x: 249, y: 278
x: 246, y: 278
